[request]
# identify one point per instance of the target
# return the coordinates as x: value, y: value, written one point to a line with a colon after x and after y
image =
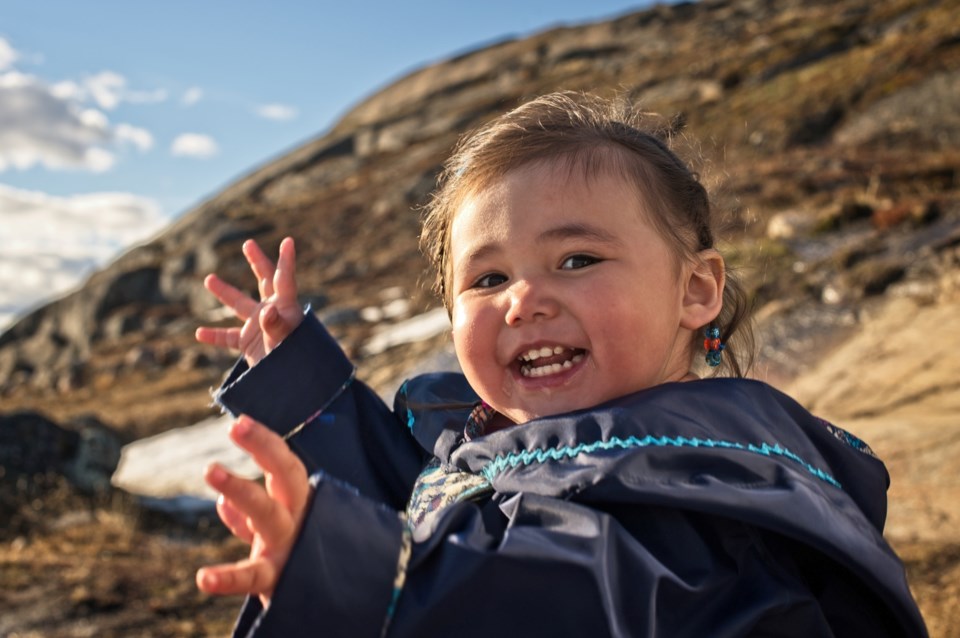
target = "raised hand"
x: 266, y: 322
x: 268, y: 516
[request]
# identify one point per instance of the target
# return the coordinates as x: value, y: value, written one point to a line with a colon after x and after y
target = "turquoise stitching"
x: 541, y: 455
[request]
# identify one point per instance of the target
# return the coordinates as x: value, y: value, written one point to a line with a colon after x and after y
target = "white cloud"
x: 108, y: 89
x: 277, y: 112
x: 98, y: 160
x: 48, y: 125
x: 191, y: 96
x: 145, y: 97
x: 50, y: 244
x: 39, y: 127
x: 139, y: 137
x: 105, y: 88
x: 94, y: 119
x: 8, y: 55
x: 194, y: 145
x: 66, y: 90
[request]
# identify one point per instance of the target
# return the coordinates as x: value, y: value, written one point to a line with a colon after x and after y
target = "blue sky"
x: 115, y: 117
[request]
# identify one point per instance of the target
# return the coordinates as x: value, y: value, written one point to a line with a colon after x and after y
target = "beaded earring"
x: 713, y: 346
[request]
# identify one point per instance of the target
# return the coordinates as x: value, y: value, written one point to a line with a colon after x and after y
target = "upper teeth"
x: 550, y: 368
x: 536, y: 353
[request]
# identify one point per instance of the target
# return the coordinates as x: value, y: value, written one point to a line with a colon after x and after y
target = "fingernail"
x: 216, y: 474
x: 242, y: 426
x: 209, y: 579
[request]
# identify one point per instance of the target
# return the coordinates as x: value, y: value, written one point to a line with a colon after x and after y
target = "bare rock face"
x: 903, y: 118
x: 896, y: 384
x: 43, y: 465
x: 32, y: 445
x: 792, y: 92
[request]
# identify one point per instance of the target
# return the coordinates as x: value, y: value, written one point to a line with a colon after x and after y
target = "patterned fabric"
x: 438, y: 486
x: 846, y: 437
x: 477, y: 421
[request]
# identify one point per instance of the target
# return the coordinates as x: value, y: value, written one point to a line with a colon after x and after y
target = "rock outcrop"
x: 43, y: 464
x: 829, y: 130
x: 818, y: 108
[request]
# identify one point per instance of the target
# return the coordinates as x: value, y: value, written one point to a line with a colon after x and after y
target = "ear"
x: 703, y: 293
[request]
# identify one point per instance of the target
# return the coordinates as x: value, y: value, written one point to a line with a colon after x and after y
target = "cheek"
x: 459, y: 324
x: 474, y: 337
x: 463, y: 333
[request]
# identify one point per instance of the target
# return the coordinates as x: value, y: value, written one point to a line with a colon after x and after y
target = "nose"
x: 530, y: 301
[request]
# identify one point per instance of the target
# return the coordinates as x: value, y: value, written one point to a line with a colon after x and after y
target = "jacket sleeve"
x: 339, y: 577
x: 305, y: 390
x: 535, y: 565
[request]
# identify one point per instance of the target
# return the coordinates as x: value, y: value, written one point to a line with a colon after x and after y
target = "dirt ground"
x: 104, y: 574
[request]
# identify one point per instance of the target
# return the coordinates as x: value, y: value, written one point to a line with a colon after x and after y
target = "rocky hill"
x: 830, y: 130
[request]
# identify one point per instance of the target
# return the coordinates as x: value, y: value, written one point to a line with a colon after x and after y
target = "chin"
x: 524, y: 416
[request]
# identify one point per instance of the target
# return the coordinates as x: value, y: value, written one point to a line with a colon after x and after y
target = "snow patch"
x: 171, y: 464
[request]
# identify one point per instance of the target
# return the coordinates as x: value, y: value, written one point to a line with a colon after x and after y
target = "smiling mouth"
x: 546, y: 361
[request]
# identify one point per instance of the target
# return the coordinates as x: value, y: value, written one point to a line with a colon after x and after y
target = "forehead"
x: 541, y: 203
x: 547, y: 190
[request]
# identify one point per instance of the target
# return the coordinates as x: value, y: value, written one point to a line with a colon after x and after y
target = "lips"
x: 548, y: 360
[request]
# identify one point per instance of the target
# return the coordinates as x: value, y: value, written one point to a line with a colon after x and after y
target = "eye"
x: 489, y: 281
x: 575, y: 262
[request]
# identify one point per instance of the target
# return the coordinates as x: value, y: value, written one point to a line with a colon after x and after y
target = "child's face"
x: 564, y: 296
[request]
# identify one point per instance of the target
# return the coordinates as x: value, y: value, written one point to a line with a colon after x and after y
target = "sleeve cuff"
x: 295, y: 381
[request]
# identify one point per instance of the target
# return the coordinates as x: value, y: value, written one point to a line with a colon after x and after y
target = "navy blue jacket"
x: 707, y: 508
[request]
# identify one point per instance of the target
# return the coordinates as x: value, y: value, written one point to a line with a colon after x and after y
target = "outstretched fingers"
x: 242, y: 305
x: 234, y: 519
x: 284, y: 277
x: 266, y: 517
x: 220, y: 337
x: 283, y: 314
x: 250, y: 576
x: 261, y: 265
x: 286, y: 476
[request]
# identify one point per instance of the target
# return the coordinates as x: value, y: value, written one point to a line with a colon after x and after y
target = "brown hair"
x: 591, y: 135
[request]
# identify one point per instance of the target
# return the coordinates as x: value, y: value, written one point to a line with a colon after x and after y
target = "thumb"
x: 272, y: 325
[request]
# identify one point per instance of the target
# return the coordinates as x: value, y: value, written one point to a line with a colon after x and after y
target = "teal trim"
x: 473, y: 491
x: 410, y: 418
x: 324, y: 418
x: 504, y: 462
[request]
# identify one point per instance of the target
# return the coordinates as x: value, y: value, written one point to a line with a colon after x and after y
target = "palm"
x: 251, y: 339
x: 253, y: 343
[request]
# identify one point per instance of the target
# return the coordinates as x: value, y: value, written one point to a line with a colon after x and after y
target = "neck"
x: 498, y: 422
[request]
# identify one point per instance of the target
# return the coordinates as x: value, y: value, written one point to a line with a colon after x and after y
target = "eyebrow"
x: 579, y: 231
x: 557, y: 233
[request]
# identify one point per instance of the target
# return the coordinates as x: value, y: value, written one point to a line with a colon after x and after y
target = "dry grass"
x: 103, y: 574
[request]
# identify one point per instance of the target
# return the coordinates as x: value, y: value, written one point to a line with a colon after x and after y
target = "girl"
x: 577, y: 478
